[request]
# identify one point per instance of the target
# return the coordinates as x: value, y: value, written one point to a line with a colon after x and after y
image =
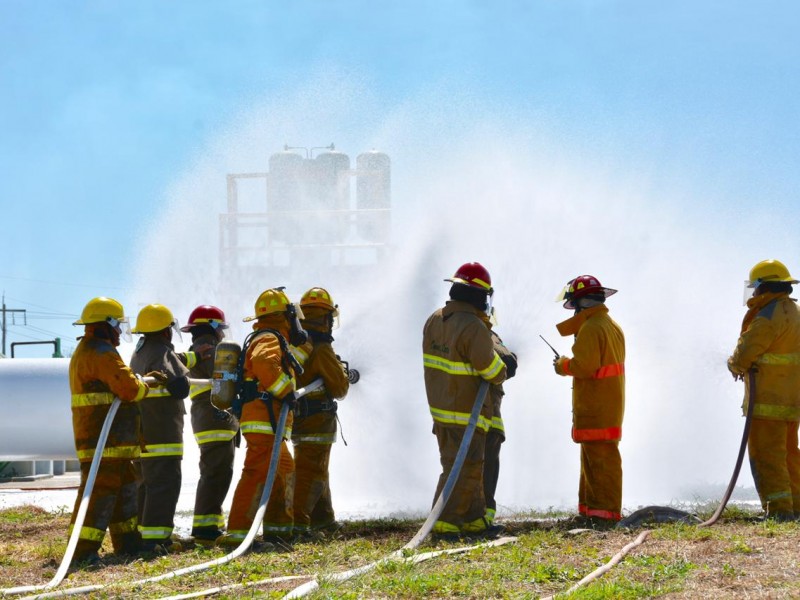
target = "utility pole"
x: 4, y: 311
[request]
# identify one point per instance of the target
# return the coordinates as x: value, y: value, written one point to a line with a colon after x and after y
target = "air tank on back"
x: 285, y: 192
x: 373, y: 191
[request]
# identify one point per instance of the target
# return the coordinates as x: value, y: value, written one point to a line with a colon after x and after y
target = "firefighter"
x: 770, y: 345
x: 97, y: 374
x: 597, y: 367
x: 162, y: 428
x: 497, y: 432
x: 314, y: 429
x: 458, y: 353
x: 214, y: 430
x: 269, y: 372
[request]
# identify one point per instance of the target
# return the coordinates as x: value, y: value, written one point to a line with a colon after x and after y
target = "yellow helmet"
x: 270, y: 301
x: 100, y: 310
x: 154, y: 317
x: 769, y: 271
x: 320, y: 298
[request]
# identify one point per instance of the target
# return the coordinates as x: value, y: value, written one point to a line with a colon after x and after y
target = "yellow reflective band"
x: 113, y: 452
x: 448, y: 366
x: 191, y: 359
x: 214, y: 435
x: 92, y: 534
x: 125, y: 526
x: 208, y: 521
x: 779, y: 359
x: 777, y: 411
x: 445, y: 527
x: 497, y: 423
x: 262, y: 427
x: 277, y: 527
x: 280, y: 385
x: 493, y: 369
x: 158, y: 392
x: 779, y: 495
x: 319, y: 438
x: 237, y: 534
x: 300, y: 354
x: 161, y: 450
x: 160, y: 532
x: 143, y: 389
x: 449, y: 417
x: 196, y: 390
x: 93, y: 399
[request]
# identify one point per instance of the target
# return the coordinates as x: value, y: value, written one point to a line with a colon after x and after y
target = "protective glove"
x: 737, y: 374
x: 560, y: 364
x: 291, y: 400
x: 160, y: 377
x: 511, y: 364
x: 178, y: 387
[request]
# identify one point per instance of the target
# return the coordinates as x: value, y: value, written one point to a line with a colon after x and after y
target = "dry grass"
x: 734, y: 559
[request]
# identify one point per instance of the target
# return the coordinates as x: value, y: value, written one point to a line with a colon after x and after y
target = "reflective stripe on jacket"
x: 209, y: 424
x: 265, y: 363
x: 598, y: 370
x: 97, y: 374
x: 458, y: 352
x: 162, y: 413
x: 770, y: 341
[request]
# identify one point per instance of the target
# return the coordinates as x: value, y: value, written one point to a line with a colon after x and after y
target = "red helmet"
x: 581, y: 286
x: 210, y: 315
x: 474, y: 275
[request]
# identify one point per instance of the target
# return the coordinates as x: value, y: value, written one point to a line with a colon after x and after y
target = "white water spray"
x: 504, y: 191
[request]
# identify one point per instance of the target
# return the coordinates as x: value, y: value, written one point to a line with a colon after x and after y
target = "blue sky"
x: 103, y: 104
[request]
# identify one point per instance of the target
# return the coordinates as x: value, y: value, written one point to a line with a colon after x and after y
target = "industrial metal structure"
x: 309, y: 214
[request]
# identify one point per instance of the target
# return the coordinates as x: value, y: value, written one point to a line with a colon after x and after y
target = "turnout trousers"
x: 112, y: 506
x: 600, y: 488
x: 466, y: 508
x: 775, y: 465
x: 491, y: 470
x: 216, y: 474
x: 279, y: 517
x: 158, y: 497
x: 313, y: 438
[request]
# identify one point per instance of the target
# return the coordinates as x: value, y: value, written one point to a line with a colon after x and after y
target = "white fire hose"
x: 311, y: 586
x: 239, y: 550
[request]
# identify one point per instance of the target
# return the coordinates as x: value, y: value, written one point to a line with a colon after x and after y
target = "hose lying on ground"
x: 436, y: 511
x: 82, y: 508
x: 241, y: 548
x: 652, y: 509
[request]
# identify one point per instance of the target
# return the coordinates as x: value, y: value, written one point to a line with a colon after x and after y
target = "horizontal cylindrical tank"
x: 35, y: 413
x: 373, y: 191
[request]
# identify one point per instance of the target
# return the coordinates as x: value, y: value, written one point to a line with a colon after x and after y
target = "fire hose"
x: 711, y: 521
x: 436, y: 511
x: 236, y: 553
x: 82, y: 508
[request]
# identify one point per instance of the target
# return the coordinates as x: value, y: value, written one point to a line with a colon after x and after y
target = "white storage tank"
x: 35, y: 405
x: 373, y: 191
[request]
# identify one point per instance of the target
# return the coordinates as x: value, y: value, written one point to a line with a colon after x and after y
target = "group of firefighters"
x: 138, y: 482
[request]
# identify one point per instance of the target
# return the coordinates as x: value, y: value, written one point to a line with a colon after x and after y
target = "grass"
x: 735, y: 558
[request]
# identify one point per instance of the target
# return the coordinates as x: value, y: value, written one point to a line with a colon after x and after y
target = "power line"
x: 4, y: 311
x: 70, y: 283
